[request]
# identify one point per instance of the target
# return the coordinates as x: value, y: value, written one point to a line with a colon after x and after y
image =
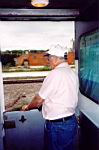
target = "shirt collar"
x: 64, y: 64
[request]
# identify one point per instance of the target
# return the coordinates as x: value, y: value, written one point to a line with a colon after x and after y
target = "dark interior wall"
x: 82, y: 27
x: 89, y: 138
x: 89, y: 132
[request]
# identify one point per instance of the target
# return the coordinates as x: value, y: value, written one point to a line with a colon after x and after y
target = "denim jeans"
x: 60, y: 135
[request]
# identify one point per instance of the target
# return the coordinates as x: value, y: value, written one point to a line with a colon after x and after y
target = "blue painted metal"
x: 28, y: 134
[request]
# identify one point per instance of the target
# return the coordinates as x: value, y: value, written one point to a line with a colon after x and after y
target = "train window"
x: 89, y: 65
x: 24, y: 64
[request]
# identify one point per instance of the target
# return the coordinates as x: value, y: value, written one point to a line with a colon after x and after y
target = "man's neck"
x: 59, y: 62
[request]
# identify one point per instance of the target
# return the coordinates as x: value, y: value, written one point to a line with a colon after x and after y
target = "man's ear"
x: 56, y: 61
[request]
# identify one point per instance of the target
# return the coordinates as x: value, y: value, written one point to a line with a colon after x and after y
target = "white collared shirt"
x: 60, y: 91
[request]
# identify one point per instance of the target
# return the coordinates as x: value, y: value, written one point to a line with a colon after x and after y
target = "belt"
x: 61, y: 119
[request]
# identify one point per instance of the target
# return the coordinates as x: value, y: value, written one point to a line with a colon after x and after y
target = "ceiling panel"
x: 53, y: 4
x: 86, y: 9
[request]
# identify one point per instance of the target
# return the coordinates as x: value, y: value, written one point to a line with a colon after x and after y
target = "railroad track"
x: 22, y: 80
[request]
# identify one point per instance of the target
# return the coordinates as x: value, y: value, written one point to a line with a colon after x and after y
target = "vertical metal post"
x: 1, y: 107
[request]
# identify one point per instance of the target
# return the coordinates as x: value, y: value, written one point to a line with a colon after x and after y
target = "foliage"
x: 8, y: 59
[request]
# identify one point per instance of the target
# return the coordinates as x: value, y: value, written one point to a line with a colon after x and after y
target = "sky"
x: 35, y: 35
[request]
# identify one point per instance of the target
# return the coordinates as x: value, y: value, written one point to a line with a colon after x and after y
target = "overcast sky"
x: 38, y: 35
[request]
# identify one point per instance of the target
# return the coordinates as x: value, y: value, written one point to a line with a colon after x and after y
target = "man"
x: 58, y: 97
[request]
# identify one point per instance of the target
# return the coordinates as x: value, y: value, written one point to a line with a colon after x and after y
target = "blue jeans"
x: 61, y: 135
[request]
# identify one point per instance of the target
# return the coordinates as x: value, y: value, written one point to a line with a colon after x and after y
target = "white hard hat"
x: 57, y: 50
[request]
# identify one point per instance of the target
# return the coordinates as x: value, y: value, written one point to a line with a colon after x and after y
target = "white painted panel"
x: 89, y: 109
x: 1, y: 109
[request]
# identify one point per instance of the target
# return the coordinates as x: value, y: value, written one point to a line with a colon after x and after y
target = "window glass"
x: 89, y: 65
x: 23, y: 45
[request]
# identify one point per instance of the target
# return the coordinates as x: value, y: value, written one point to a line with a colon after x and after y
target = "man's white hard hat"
x: 57, y: 50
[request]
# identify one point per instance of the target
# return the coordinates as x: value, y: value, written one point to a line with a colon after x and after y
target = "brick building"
x: 39, y: 59
x: 71, y: 58
x: 32, y: 59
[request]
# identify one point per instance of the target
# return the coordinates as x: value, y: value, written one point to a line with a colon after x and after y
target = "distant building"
x: 32, y: 59
x: 71, y: 58
x: 39, y: 59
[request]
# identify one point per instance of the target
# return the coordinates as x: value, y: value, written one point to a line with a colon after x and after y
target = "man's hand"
x: 34, y: 104
x: 24, y: 108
